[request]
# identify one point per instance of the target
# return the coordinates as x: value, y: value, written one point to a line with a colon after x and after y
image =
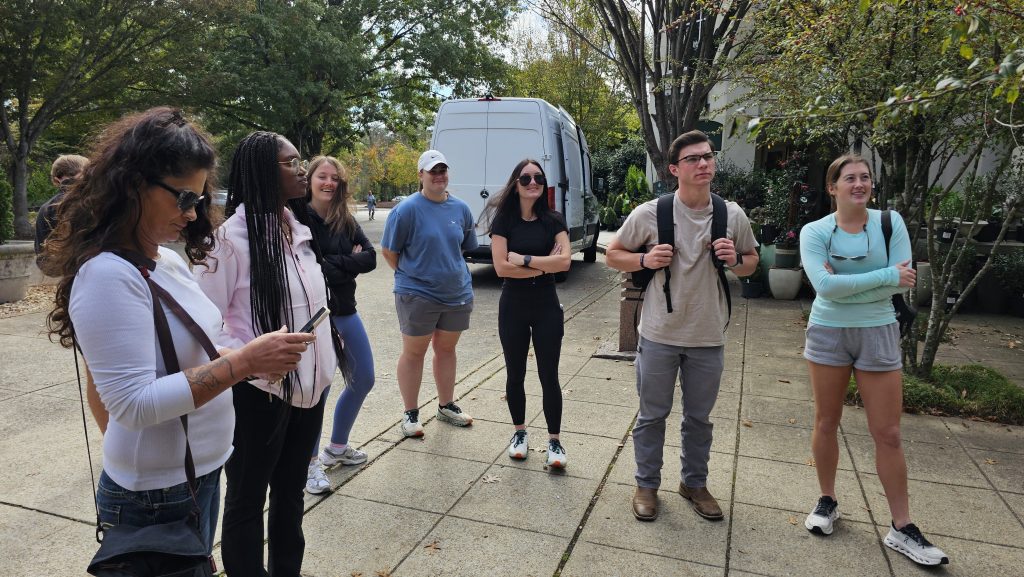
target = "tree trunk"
x: 22, y: 227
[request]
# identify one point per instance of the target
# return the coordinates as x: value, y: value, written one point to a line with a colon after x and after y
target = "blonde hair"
x: 338, y: 216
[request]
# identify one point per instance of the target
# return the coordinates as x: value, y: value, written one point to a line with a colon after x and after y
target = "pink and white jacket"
x: 226, y: 280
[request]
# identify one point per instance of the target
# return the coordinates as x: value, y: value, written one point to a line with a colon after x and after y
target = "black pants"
x: 524, y: 311
x: 267, y: 455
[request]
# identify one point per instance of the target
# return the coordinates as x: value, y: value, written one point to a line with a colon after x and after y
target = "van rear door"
x: 572, y: 153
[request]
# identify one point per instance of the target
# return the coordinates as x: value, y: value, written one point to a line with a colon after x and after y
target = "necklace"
x: 287, y: 233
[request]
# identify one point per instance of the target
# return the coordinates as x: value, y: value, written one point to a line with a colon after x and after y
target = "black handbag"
x: 173, y: 549
x: 905, y: 314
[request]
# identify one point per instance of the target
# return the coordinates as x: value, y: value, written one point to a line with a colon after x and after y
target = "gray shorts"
x: 419, y: 316
x: 866, y: 348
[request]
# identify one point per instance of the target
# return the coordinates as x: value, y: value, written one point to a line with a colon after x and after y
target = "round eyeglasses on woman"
x: 187, y: 199
x: 296, y: 164
x: 828, y: 248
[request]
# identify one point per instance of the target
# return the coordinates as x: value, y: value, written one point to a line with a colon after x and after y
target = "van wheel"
x: 590, y: 254
x: 561, y: 276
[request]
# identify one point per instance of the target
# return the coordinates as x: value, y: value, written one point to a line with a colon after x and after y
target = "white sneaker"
x: 912, y: 543
x: 316, y: 479
x: 517, y: 446
x: 411, y: 426
x: 350, y: 456
x: 451, y: 413
x: 823, y: 517
x: 556, y: 455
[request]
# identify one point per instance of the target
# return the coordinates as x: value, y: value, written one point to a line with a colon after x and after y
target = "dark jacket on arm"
x: 340, y: 265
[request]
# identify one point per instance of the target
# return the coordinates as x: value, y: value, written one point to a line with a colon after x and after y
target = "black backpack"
x: 666, y: 235
x: 905, y: 314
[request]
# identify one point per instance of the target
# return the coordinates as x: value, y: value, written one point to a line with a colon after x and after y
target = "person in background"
x: 371, y: 204
x: 346, y: 253
x: 853, y: 329
x: 147, y: 184
x: 263, y: 275
x: 424, y: 237
x: 689, y: 343
x: 63, y: 173
x: 529, y: 243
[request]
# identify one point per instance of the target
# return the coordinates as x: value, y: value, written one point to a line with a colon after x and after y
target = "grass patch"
x: 961, y: 391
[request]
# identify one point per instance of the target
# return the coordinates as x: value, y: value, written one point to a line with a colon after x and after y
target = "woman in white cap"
x: 424, y: 238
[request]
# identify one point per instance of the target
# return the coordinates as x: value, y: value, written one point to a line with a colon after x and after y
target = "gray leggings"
x: 699, y: 370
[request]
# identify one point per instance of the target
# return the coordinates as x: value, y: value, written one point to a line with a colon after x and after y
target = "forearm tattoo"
x: 203, y: 377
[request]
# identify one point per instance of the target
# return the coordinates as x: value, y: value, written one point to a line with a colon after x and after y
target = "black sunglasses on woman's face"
x: 524, y: 179
x: 187, y: 199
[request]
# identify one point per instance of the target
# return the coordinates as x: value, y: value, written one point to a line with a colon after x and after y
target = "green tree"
x: 669, y: 53
x: 554, y: 64
x: 74, y: 57
x: 887, y: 79
x: 316, y: 70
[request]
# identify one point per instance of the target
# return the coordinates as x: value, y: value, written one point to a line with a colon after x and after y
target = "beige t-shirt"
x: 699, y: 309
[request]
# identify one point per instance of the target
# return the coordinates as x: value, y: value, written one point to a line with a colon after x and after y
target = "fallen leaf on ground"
x: 503, y: 397
x: 386, y: 572
x: 747, y: 423
x: 791, y: 421
x: 991, y: 462
x: 1014, y: 344
x: 783, y: 380
x: 792, y: 519
x: 490, y: 479
x: 811, y: 462
x: 356, y: 574
x: 433, y: 547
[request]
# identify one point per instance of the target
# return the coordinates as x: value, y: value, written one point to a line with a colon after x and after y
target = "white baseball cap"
x: 430, y: 159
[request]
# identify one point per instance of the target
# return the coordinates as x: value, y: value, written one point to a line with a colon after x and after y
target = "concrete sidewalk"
x: 452, y: 503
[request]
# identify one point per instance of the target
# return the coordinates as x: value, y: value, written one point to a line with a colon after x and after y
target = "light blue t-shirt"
x: 859, y: 292
x: 429, y: 238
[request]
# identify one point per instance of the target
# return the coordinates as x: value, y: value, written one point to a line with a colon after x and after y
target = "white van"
x: 483, y: 141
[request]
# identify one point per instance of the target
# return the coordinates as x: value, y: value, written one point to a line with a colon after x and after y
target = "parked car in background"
x: 399, y: 198
x: 485, y: 138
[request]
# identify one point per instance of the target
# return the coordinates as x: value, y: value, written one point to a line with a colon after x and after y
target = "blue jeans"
x: 144, y: 508
x: 359, y: 357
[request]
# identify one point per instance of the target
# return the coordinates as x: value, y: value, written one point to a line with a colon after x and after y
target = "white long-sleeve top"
x: 226, y: 282
x: 112, y: 310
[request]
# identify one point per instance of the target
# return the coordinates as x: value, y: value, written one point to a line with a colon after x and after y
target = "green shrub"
x: 1008, y: 267
x: 962, y: 391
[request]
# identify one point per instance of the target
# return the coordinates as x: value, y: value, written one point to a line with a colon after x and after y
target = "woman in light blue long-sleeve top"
x: 853, y: 329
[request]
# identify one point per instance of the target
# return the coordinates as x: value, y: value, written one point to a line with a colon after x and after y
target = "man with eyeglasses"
x: 689, y: 341
x: 424, y: 238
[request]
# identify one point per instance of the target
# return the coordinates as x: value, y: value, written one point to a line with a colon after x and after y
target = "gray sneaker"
x: 350, y: 456
x: 912, y: 543
x: 451, y: 413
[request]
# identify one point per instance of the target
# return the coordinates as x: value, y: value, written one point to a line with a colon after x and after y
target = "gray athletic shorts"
x: 866, y: 348
x: 419, y: 316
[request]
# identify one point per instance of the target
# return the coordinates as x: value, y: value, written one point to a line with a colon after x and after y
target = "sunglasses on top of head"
x: 524, y: 179
x: 187, y: 199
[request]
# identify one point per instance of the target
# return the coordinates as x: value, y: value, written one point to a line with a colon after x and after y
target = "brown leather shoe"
x: 645, y: 504
x: 703, y: 503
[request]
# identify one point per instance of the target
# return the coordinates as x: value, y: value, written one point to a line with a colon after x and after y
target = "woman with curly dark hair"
x: 262, y: 275
x: 529, y: 243
x: 138, y: 192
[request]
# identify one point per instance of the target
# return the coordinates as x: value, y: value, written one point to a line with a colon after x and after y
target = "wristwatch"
x: 739, y: 260
x: 526, y: 260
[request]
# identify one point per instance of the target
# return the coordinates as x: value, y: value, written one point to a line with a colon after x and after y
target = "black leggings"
x: 267, y: 455
x: 522, y: 311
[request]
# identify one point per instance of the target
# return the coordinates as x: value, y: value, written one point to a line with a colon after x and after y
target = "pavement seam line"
x: 736, y: 444
x: 864, y: 495
x: 983, y: 474
x: 48, y: 513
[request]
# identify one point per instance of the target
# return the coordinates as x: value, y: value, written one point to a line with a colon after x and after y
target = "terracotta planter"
x: 17, y: 257
x: 785, y: 283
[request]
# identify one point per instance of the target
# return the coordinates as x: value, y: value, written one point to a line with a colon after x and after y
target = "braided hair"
x: 255, y: 183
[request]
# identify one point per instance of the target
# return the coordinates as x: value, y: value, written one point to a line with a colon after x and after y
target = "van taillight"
x: 551, y: 197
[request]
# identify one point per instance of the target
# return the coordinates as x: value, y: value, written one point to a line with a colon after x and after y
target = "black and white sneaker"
x: 912, y: 543
x: 556, y: 455
x: 823, y: 517
x: 518, y: 447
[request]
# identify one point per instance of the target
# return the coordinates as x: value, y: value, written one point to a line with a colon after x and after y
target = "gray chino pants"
x: 700, y: 373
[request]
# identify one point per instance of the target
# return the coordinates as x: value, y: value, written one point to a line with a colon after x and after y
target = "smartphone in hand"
x: 317, y: 318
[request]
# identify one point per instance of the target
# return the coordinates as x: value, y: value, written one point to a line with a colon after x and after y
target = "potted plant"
x: 753, y: 286
x: 787, y: 254
x: 1008, y: 268
x: 16, y: 257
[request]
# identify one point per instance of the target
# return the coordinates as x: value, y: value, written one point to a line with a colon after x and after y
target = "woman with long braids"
x: 346, y: 253
x: 148, y: 183
x: 529, y: 243
x: 264, y: 275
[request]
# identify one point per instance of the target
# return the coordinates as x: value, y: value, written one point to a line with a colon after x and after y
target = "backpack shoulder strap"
x: 887, y: 230
x: 666, y: 235
x: 719, y: 229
